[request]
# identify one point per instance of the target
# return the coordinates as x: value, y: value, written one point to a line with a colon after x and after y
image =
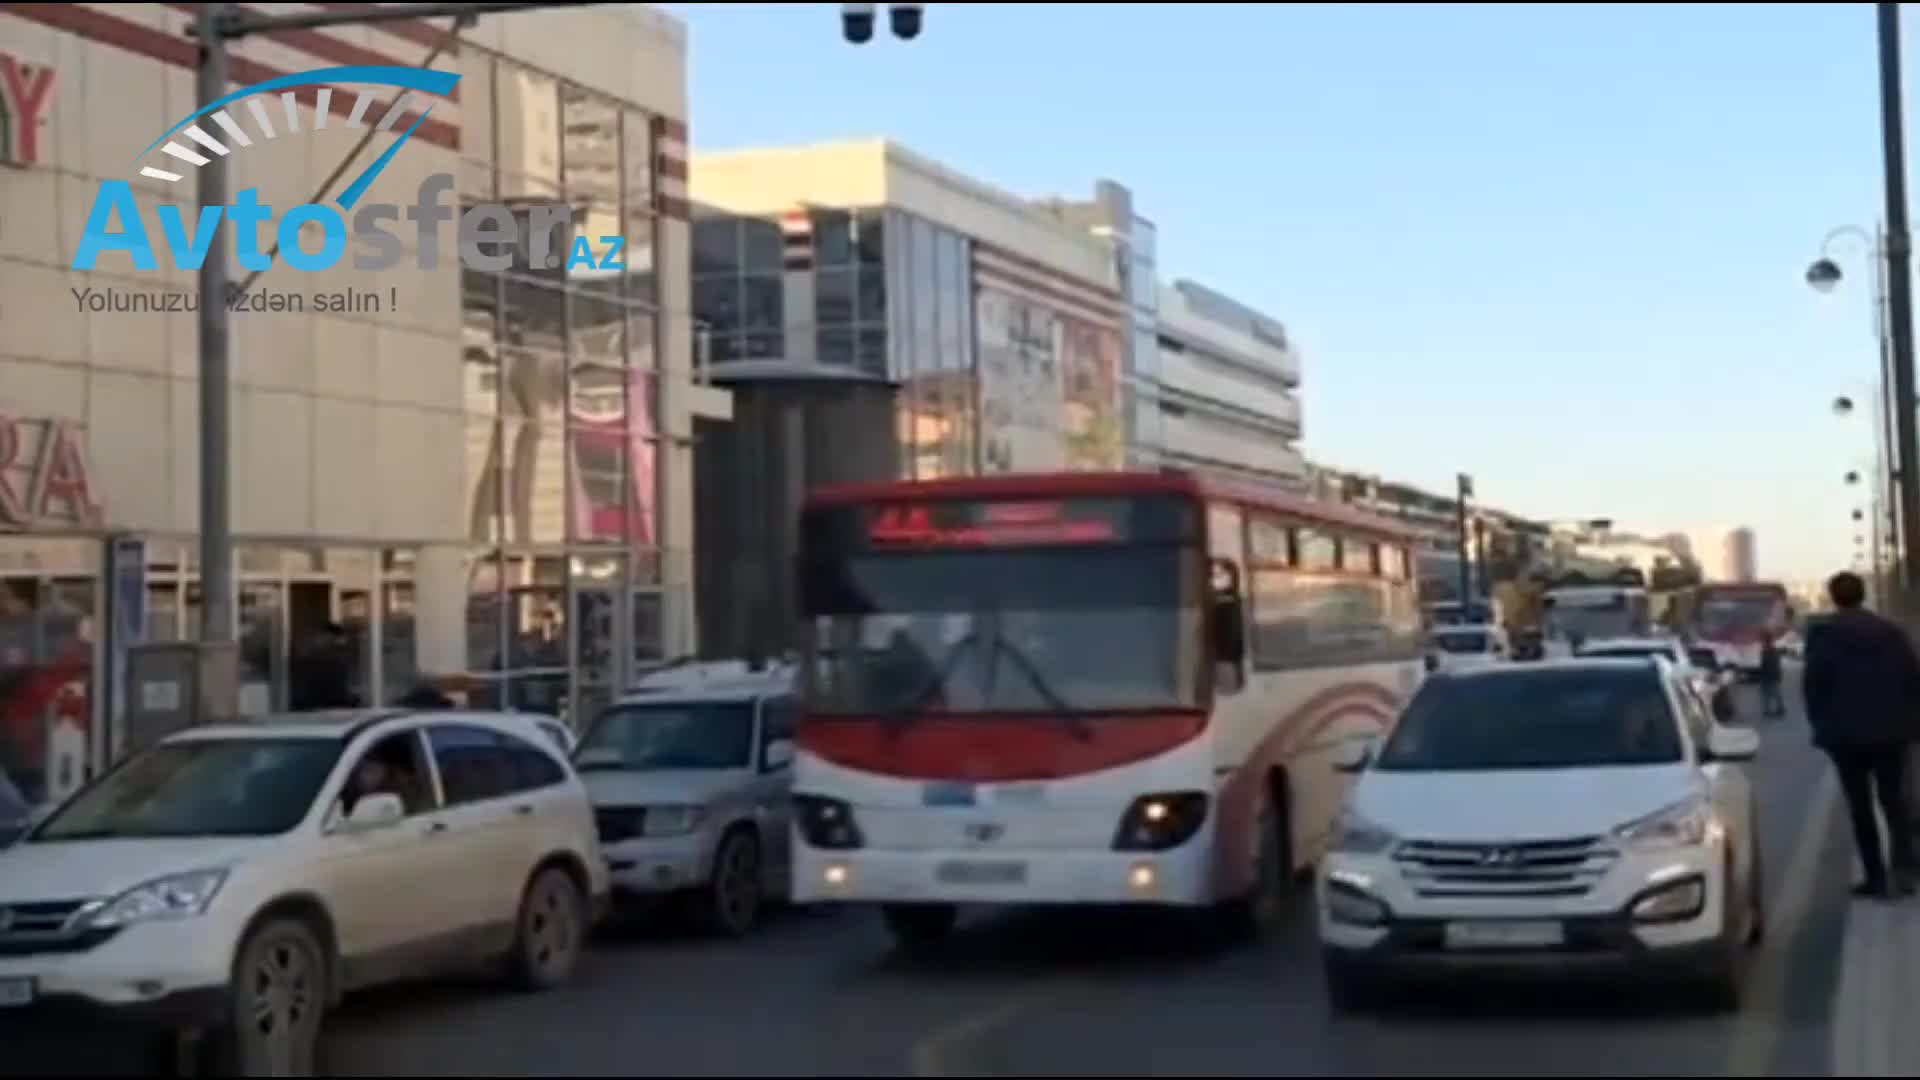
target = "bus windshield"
x: 1732, y: 614
x: 1069, y: 630
x: 1587, y: 618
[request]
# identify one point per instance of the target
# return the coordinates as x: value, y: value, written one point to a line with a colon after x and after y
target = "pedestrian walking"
x: 1862, y: 687
x: 1771, y: 703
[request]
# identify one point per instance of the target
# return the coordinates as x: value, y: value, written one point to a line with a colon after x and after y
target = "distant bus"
x: 1588, y: 612
x: 1733, y: 619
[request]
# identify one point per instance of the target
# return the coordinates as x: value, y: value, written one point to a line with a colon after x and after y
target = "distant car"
x: 1534, y: 815
x: 237, y: 880
x: 1699, y: 664
x: 1464, y: 646
x: 691, y: 776
x: 15, y: 814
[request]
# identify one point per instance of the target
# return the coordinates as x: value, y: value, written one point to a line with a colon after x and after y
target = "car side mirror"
x: 778, y: 755
x: 1353, y: 756
x: 372, y: 813
x: 1732, y: 744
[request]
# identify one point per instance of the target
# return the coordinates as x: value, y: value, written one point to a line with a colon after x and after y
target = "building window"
x: 832, y: 238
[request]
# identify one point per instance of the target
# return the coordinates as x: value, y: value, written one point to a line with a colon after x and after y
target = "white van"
x: 1458, y: 648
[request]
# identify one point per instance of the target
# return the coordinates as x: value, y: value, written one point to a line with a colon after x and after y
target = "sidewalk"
x: 1876, y: 1009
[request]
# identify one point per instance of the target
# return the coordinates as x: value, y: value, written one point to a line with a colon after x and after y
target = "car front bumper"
x: 1595, y: 930
x: 645, y: 866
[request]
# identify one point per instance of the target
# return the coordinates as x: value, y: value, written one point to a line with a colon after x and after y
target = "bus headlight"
x: 1162, y: 821
x: 826, y: 823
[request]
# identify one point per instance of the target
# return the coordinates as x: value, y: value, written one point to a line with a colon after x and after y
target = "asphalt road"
x: 1073, y: 994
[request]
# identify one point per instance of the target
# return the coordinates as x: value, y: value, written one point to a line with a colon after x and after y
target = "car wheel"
x: 549, y: 932
x: 1249, y: 917
x: 917, y: 926
x: 731, y: 903
x: 278, y: 995
x: 1350, y: 987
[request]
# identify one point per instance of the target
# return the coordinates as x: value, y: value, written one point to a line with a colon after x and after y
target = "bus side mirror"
x: 1229, y: 630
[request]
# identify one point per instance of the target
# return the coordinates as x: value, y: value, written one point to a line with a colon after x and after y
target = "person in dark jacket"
x: 322, y: 673
x: 1770, y: 701
x: 1862, y: 686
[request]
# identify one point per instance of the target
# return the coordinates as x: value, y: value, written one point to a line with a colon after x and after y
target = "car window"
x: 13, y: 805
x: 475, y: 763
x: 669, y: 735
x: 200, y: 788
x: 1535, y: 719
x: 393, y: 765
x: 533, y: 767
x: 780, y: 718
x: 1461, y: 641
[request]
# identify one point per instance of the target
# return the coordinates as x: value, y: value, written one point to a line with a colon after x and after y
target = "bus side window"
x: 1227, y: 615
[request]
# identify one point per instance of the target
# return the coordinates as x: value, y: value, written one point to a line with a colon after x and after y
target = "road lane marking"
x: 1759, y: 1027
x: 928, y: 1055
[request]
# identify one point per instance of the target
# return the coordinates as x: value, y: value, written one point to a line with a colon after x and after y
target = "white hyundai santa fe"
x: 1559, y: 816
x: 234, y: 881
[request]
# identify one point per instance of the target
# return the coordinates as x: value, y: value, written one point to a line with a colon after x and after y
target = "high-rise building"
x: 1739, y: 558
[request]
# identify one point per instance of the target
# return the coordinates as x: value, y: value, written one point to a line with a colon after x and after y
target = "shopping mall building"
x: 878, y: 315
x: 479, y: 473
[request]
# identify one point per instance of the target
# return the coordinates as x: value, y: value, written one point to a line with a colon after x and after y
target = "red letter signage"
x: 26, y: 96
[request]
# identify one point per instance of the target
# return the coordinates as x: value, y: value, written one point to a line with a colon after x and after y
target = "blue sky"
x: 1559, y: 247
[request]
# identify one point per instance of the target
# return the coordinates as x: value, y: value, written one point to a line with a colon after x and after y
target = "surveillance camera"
x: 856, y: 23
x: 905, y: 19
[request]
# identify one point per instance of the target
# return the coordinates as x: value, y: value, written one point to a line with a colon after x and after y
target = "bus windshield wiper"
x: 1070, y: 716
x: 921, y: 697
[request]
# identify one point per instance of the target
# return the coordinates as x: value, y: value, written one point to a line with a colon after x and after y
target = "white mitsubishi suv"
x: 1558, y: 816
x: 234, y: 881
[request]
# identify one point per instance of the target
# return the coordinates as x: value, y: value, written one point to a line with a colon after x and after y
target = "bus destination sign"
x: 1001, y: 523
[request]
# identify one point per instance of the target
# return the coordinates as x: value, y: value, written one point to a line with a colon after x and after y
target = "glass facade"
x: 738, y: 290
x: 562, y: 407
x: 932, y: 355
x: 1145, y: 437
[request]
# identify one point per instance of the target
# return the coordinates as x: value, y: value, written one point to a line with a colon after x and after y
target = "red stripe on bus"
x: 990, y: 748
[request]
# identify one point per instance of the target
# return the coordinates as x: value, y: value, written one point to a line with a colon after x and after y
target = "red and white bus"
x: 1733, y: 619
x: 1085, y: 688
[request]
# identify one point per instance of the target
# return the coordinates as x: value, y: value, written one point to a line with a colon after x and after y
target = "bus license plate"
x: 972, y: 872
x: 16, y: 993
x: 1530, y: 934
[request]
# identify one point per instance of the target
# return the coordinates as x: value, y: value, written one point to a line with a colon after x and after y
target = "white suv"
x: 235, y: 881
x: 1551, y: 816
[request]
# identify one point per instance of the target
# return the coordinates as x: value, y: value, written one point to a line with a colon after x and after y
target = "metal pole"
x: 1466, y: 548
x: 1899, y: 247
x: 216, y: 525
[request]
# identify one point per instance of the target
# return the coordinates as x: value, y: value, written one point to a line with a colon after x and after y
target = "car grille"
x: 45, y: 927
x: 617, y: 823
x: 1535, y: 868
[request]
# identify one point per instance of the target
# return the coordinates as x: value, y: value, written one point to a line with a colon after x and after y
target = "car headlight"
x: 1355, y: 835
x: 671, y: 820
x: 1686, y: 823
x: 176, y: 896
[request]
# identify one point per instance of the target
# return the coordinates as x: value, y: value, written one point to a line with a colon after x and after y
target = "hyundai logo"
x: 1502, y: 857
x: 983, y: 833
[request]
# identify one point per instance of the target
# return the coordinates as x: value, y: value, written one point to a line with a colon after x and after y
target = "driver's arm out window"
x: 406, y: 774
